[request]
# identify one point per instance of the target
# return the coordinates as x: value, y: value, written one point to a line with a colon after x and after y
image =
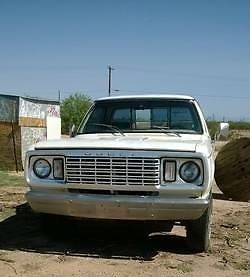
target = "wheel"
x: 199, y: 231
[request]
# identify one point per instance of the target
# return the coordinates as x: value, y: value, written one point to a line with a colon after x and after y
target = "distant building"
x: 23, y: 122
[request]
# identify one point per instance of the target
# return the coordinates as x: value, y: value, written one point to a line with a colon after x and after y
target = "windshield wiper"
x: 111, y: 127
x: 166, y: 130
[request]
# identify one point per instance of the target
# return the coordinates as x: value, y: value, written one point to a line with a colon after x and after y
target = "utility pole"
x: 110, y: 68
x: 59, y: 95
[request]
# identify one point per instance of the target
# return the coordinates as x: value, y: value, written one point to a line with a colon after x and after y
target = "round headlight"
x: 42, y: 168
x: 189, y: 172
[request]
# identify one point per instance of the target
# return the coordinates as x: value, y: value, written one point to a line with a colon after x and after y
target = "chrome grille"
x: 113, y: 171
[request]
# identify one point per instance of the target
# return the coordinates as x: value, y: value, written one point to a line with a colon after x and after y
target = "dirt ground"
x: 87, y: 248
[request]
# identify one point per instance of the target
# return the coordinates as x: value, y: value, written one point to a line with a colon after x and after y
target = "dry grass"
x: 11, y: 178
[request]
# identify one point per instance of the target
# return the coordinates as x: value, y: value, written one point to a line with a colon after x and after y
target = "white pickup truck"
x: 143, y: 158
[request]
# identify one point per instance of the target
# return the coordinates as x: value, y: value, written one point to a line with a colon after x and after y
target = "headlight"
x: 189, y: 171
x: 42, y: 168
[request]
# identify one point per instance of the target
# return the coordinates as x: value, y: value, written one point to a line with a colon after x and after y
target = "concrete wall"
x: 30, y: 136
x: 8, y: 108
x: 31, y: 108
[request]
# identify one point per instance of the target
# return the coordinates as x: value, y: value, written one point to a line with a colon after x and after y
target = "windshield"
x: 178, y: 116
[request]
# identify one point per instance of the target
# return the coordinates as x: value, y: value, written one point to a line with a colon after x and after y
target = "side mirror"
x: 72, y: 131
x: 223, y: 130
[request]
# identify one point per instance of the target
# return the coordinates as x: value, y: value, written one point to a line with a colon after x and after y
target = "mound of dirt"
x: 232, y: 169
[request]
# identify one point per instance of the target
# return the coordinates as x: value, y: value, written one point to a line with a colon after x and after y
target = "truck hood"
x: 166, y: 142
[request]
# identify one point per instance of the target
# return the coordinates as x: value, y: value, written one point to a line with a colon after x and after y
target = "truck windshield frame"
x: 142, y: 116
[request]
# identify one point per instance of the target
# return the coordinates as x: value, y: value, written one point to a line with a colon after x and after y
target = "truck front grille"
x: 113, y: 171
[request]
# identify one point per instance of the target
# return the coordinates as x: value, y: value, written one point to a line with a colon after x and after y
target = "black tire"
x: 199, y: 231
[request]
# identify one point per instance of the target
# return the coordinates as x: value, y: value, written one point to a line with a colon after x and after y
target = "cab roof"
x: 147, y: 96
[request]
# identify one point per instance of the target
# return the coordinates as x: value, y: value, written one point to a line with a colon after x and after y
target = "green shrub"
x: 213, y: 127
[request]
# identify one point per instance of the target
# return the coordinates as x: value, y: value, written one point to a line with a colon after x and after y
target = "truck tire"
x: 199, y: 231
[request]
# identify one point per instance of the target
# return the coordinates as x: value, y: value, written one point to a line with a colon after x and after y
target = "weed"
x: 242, y: 265
x: 9, y: 178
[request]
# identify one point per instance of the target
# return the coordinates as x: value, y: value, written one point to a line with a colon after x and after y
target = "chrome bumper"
x: 116, y: 207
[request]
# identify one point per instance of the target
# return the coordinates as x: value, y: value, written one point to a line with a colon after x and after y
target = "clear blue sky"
x: 198, y: 47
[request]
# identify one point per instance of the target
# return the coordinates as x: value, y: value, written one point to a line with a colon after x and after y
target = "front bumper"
x: 116, y: 207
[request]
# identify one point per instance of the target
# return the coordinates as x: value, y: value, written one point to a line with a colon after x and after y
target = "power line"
x: 60, y: 92
x: 197, y: 95
x: 181, y: 74
x: 225, y: 96
x: 169, y: 71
